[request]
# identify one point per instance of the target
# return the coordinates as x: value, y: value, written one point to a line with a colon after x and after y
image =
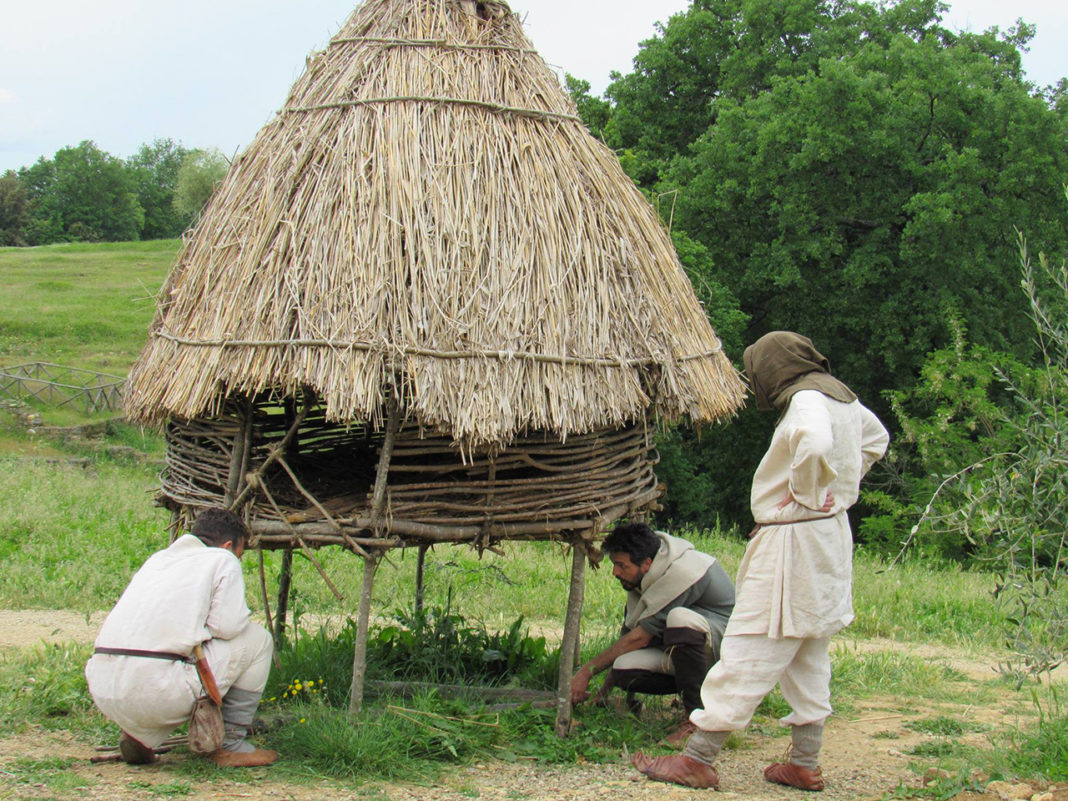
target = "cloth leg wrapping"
x: 238, y: 710
x: 807, y: 741
x: 704, y: 746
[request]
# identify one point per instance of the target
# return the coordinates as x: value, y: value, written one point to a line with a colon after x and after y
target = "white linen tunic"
x: 795, y: 579
x: 182, y: 596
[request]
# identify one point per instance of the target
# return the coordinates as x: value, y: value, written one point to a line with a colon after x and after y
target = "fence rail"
x: 58, y: 386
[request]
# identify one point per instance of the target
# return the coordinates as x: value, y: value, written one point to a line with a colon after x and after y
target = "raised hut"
x: 426, y: 306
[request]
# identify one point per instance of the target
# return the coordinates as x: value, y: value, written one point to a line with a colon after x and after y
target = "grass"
x: 44, y: 687
x: 51, y: 773
x: 80, y: 305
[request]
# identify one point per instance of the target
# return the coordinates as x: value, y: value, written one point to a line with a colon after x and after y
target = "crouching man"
x: 678, y: 603
x: 142, y: 675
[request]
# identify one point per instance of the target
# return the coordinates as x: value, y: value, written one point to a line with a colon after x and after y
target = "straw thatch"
x: 428, y: 212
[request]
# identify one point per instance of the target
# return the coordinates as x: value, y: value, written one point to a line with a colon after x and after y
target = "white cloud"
x: 7, y: 96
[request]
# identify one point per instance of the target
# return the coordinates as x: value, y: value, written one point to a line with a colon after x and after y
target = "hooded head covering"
x: 782, y: 363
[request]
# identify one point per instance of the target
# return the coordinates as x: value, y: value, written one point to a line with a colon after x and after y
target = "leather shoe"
x: 239, y: 759
x: 134, y: 752
x: 678, y: 769
x: 794, y: 776
x: 678, y: 738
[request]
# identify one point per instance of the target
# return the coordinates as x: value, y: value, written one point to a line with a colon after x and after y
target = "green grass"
x: 45, y: 687
x: 73, y: 534
x: 943, y: 726
x: 80, y: 305
x: 51, y: 773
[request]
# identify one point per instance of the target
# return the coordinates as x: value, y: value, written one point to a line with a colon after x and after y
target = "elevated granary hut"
x: 425, y: 306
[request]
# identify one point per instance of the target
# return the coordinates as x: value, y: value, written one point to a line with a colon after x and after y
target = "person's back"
x: 181, y: 597
x: 142, y: 674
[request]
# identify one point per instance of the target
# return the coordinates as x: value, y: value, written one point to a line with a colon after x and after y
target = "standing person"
x: 141, y: 674
x: 795, y: 580
x: 678, y: 602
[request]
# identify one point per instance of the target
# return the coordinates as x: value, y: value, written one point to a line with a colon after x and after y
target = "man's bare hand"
x: 828, y: 502
x: 580, y: 686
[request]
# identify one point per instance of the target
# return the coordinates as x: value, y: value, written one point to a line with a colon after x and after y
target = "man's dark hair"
x: 216, y: 526
x: 636, y: 540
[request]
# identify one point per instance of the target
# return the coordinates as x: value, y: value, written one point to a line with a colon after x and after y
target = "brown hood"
x: 782, y: 363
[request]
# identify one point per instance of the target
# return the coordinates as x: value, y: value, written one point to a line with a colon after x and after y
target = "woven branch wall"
x: 315, y: 488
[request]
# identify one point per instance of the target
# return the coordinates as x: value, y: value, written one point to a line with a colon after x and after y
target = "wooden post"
x: 378, y: 505
x: 285, y: 572
x: 363, y: 619
x: 569, y: 646
x: 420, y: 564
x: 285, y: 576
x: 239, y: 455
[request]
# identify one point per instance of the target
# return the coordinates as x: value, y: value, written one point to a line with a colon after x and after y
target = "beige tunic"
x: 182, y: 596
x: 795, y: 579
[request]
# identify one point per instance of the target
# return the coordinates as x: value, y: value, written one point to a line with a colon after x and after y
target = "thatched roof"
x: 428, y: 205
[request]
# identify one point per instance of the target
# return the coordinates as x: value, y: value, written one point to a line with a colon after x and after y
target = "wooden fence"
x: 57, y: 386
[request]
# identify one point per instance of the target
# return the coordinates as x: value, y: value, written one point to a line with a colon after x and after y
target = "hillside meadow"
x: 916, y: 685
x: 80, y: 305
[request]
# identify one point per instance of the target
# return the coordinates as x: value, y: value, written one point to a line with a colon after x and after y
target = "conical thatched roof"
x: 428, y: 205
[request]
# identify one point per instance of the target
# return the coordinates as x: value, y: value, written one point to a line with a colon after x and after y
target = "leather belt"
x: 172, y: 657
x: 793, y: 522
x: 757, y: 526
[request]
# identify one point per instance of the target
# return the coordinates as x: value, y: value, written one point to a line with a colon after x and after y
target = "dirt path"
x: 865, y: 753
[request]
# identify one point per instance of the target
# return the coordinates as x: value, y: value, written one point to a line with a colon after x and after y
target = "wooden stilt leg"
x: 363, y: 618
x: 359, y: 657
x: 285, y: 577
x: 569, y: 647
x: 419, y: 565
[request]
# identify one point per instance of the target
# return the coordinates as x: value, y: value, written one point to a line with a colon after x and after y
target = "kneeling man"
x: 678, y: 603
x: 142, y: 674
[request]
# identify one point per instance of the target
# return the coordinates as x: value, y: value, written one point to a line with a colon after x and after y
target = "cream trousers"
x: 657, y: 660
x: 749, y: 667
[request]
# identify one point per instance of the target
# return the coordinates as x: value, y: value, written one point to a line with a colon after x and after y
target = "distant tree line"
x: 83, y: 194
x: 855, y: 172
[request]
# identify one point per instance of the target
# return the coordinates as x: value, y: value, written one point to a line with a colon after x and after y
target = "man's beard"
x: 629, y: 586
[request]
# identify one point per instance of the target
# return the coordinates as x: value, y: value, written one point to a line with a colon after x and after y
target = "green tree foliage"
x: 200, y: 172
x: 954, y: 417
x: 14, y: 210
x: 82, y: 194
x: 853, y: 172
x: 155, y: 169
x: 1009, y: 507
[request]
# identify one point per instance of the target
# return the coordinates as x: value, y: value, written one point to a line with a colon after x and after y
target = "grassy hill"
x: 80, y: 305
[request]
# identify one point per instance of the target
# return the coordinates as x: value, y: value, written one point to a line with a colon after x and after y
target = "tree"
x: 854, y: 172
x: 82, y: 194
x: 1011, y: 505
x: 859, y: 203
x: 200, y: 172
x: 155, y: 171
x: 14, y: 210
x: 734, y: 50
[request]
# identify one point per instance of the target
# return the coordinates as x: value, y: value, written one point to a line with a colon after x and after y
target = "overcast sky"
x: 210, y: 73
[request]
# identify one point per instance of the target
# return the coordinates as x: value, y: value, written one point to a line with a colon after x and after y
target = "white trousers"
x: 749, y: 667
x: 657, y: 660
x: 149, y: 698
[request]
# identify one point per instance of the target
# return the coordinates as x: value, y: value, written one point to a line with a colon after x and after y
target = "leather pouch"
x: 206, y: 730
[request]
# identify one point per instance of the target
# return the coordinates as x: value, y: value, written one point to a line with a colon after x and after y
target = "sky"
x: 211, y: 73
